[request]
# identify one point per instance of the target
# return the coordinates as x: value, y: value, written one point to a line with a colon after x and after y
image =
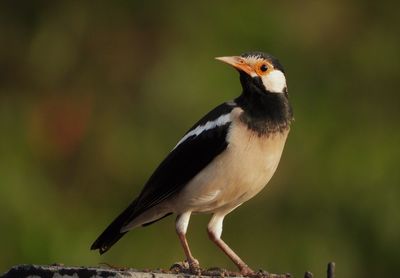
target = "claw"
x: 194, y: 267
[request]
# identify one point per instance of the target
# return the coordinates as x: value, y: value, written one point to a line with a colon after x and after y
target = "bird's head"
x: 258, y: 71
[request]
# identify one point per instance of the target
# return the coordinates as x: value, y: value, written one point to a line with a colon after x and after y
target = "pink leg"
x: 214, y: 232
x: 182, y: 222
x: 193, y: 263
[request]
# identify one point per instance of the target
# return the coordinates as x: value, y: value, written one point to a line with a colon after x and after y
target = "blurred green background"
x: 94, y: 95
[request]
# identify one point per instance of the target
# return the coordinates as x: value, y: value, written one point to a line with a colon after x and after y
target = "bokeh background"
x: 94, y: 95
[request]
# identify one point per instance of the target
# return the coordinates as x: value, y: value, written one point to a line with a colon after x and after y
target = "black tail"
x: 113, y: 232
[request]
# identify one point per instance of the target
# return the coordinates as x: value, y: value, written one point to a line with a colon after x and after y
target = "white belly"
x: 236, y: 175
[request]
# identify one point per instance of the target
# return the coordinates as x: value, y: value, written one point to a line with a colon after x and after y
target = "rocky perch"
x: 176, y: 271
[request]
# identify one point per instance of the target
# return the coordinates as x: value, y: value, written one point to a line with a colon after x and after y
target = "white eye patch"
x: 274, y: 82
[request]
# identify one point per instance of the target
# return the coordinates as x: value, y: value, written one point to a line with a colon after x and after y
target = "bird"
x: 224, y: 160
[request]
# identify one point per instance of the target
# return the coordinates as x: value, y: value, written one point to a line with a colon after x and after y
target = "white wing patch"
x: 220, y: 121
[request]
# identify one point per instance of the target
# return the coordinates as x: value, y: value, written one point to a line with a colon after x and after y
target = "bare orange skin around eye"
x: 257, y: 68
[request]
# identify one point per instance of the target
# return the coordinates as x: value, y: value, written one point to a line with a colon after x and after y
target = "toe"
x: 194, y: 267
x: 246, y: 271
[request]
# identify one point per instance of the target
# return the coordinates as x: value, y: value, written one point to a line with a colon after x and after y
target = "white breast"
x: 237, y: 174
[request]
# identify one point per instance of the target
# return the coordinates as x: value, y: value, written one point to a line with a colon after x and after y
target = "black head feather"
x: 275, y: 62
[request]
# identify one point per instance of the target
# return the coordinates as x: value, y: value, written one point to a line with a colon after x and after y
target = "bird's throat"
x: 265, y: 112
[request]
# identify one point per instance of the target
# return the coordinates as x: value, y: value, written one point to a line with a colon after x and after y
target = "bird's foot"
x: 246, y: 271
x: 192, y: 267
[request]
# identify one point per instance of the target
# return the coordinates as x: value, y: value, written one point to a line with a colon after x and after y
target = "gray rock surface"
x: 57, y: 271
x: 61, y: 271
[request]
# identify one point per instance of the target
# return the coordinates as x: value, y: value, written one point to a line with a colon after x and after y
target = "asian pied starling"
x: 225, y: 159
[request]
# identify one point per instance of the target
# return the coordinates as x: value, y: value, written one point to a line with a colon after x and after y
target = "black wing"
x: 187, y: 159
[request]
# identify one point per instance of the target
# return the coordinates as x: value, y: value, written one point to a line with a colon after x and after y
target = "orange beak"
x: 238, y: 63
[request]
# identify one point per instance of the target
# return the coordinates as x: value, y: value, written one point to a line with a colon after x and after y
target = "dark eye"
x: 263, y: 68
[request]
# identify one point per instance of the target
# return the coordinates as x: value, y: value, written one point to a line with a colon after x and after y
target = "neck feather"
x: 264, y: 112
